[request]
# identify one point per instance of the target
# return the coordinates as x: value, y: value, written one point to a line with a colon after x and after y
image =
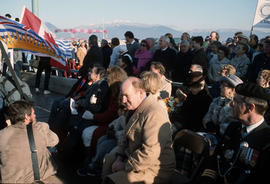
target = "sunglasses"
x: 143, y: 45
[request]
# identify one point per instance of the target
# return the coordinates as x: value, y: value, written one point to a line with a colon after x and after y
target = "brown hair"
x: 17, y: 111
x: 260, y: 105
x: 116, y: 76
x: 151, y: 82
x: 159, y: 66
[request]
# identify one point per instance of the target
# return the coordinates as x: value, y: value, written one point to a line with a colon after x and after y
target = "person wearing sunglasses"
x: 143, y: 56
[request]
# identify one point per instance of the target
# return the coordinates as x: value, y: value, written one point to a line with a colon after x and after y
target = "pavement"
x: 43, y: 103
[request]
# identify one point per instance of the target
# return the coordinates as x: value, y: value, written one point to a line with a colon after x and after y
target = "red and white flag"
x: 29, y: 20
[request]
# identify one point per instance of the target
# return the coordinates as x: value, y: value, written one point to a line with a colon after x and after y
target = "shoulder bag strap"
x: 33, y: 151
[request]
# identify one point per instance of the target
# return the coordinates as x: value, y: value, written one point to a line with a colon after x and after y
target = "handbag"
x: 33, y: 154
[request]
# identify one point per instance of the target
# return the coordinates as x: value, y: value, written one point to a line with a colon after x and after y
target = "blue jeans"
x: 104, y: 146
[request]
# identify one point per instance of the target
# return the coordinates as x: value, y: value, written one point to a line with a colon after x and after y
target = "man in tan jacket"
x: 145, y: 154
x: 15, y: 153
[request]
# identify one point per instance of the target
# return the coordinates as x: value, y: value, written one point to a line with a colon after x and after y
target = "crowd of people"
x: 117, y: 122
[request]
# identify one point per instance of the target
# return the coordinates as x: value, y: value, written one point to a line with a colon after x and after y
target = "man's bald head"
x: 133, y: 93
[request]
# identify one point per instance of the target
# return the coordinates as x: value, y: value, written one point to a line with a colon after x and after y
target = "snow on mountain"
x: 141, y: 31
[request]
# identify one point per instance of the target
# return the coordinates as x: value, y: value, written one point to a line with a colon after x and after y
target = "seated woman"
x: 94, y: 100
x: 99, y: 121
x: 225, y: 70
x: 143, y: 55
x: 166, y: 86
x: 219, y: 114
x: 152, y: 82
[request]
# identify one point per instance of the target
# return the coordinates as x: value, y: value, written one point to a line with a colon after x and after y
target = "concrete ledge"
x: 57, y: 84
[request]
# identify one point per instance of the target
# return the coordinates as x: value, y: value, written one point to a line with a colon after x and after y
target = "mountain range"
x: 142, y: 31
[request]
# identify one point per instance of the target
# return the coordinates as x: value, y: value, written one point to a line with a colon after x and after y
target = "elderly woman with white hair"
x: 219, y: 114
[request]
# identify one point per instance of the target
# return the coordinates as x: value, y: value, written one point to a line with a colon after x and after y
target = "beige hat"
x: 232, y: 80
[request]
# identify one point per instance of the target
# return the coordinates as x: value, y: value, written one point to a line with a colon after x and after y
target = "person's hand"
x: 181, y: 95
x: 93, y: 99
x: 118, y: 165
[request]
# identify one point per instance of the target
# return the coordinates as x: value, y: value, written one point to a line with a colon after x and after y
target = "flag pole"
x: 103, y: 28
x: 251, y: 30
x: 35, y: 7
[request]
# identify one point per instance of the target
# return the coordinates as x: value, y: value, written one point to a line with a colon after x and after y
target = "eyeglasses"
x: 143, y: 45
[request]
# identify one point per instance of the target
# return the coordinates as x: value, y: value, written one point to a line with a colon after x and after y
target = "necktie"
x: 244, y: 132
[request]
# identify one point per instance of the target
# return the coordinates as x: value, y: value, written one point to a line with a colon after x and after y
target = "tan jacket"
x: 147, y: 145
x: 166, y: 88
x: 81, y: 53
x: 15, y: 154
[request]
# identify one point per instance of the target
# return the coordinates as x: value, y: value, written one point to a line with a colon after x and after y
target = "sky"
x: 178, y: 14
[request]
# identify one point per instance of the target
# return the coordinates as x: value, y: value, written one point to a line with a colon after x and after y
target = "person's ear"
x: 251, y: 107
x: 27, y: 118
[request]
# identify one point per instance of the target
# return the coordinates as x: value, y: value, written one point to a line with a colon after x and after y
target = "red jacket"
x: 109, y: 115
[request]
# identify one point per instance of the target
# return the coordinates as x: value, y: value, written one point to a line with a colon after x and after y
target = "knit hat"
x: 252, y: 90
x: 232, y: 80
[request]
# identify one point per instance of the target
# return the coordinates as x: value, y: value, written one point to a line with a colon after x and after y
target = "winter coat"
x: 166, y: 88
x: 219, y: 113
x: 143, y: 59
x: 15, y: 154
x: 147, y: 144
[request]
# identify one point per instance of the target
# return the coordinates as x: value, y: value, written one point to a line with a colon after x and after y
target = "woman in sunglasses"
x: 143, y: 57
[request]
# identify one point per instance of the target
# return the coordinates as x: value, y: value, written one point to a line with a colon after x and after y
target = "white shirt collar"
x: 164, y: 49
x: 252, y: 127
